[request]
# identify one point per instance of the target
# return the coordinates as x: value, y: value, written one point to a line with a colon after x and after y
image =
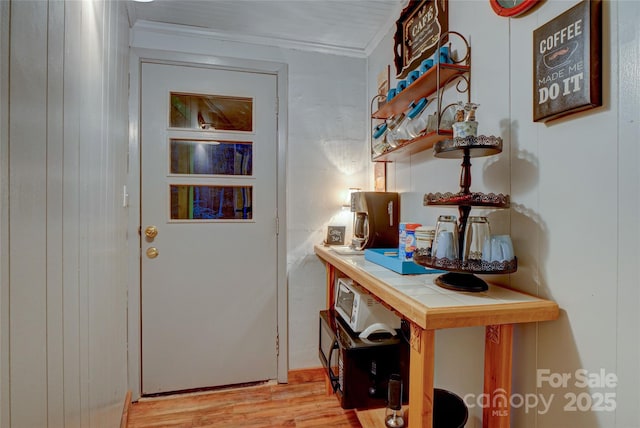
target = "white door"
x: 209, y: 191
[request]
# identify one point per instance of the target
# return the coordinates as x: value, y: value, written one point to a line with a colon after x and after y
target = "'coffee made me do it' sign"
x: 567, y: 68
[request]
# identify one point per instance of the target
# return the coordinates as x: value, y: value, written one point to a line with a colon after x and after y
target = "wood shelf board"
x: 533, y: 309
x: 505, y: 313
x: 425, y: 86
x: 413, y: 146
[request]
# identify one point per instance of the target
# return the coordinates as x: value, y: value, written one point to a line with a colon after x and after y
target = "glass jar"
x: 417, y: 117
x: 379, y: 143
x: 394, y: 130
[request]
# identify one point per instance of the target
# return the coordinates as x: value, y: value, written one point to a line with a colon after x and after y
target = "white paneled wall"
x: 628, y: 230
x: 575, y: 194
x: 63, y: 150
x: 4, y: 198
x: 64, y: 146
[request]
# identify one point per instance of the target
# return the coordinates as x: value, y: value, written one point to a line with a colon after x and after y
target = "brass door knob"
x: 152, y: 252
x: 151, y: 232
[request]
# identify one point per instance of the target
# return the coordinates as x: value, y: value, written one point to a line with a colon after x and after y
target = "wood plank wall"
x: 4, y: 204
x: 63, y: 358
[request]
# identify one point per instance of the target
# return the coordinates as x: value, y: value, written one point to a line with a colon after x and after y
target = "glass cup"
x: 445, y: 244
x: 476, y: 233
x: 497, y: 248
x: 424, y: 238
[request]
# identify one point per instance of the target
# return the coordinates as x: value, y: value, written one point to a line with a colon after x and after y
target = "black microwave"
x: 359, y: 369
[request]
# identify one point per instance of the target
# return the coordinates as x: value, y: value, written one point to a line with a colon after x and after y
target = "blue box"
x: 388, y: 257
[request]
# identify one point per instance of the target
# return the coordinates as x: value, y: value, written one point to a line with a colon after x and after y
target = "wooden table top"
x: 418, y: 299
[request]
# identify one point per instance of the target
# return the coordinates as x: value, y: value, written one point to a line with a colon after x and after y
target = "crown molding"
x: 189, y: 31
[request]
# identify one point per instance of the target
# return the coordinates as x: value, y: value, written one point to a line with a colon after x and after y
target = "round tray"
x: 477, y: 146
x: 475, y: 199
x: 471, y: 266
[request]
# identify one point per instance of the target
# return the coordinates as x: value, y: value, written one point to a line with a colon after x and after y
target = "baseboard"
x: 313, y: 374
x: 124, y: 420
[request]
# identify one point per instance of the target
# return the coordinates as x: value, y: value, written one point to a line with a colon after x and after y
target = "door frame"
x: 131, y: 197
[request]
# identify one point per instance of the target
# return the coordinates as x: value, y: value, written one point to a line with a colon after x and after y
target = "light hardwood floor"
x: 302, y: 402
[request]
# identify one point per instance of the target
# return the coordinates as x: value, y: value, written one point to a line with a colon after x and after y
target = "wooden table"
x: 427, y: 308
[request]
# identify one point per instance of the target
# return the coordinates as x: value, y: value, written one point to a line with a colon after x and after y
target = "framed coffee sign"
x: 418, y: 30
x: 567, y: 66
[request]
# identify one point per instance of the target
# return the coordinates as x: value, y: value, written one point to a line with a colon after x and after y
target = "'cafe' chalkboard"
x: 420, y: 27
x: 567, y: 68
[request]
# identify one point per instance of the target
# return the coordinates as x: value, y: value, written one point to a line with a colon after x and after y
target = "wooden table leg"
x: 497, y: 375
x: 331, y: 277
x: 331, y: 281
x: 421, y: 377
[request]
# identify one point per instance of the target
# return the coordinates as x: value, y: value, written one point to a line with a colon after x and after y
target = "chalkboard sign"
x: 567, y: 67
x: 335, y: 235
x: 418, y: 31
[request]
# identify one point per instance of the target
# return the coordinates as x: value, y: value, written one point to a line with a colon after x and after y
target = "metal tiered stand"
x: 461, y: 275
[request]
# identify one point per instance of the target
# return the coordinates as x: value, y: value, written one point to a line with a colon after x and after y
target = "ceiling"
x: 352, y: 27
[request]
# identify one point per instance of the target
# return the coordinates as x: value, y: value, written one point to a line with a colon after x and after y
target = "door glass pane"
x: 201, y: 202
x: 211, y: 112
x: 211, y: 157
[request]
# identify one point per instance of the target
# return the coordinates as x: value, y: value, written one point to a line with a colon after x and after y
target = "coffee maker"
x: 375, y: 221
